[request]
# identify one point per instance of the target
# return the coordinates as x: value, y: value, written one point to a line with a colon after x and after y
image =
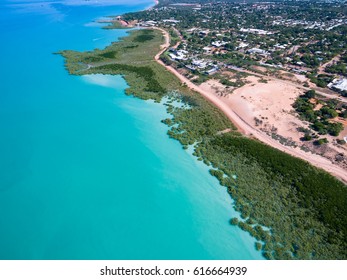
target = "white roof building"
x: 218, y: 43
x: 242, y: 45
x: 149, y: 23
x: 278, y: 46
x: 339, y: 84
x: 171, y: 20
x: 207, y: 50
x: 179, y: 55
x: 200, y: 63
x: 258, y: 51
x: 211, y: 71
x: 256, y: 31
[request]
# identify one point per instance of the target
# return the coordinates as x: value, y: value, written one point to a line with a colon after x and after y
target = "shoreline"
x: 247, y: 129
x: 274, y: 170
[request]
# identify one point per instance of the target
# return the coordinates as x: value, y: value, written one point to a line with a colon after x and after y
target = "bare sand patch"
x: 268, y: 106
x: 215, y: 87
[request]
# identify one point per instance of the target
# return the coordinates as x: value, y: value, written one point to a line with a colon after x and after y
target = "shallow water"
x: 87, y: 172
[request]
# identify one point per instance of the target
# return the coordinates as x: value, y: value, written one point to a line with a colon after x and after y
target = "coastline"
x: 209, y: 119
x: 250, y: 131
x: 245, y: 127
x: 102, y: 168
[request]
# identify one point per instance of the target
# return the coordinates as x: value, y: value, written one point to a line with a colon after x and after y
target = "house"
x: 256, y: 31
x: 218, y: 43
x: 207, y: 50
x: 211, y: 71
x: 200, y: 63
x: 281, y: 47
x: 178, y: 55
x: 170, y: 21
x: 203, y: 33
x: 149, y: 23
x: 242, y: 45
x: 339, y: 84
x: 190, y: 67
x: 258, y: 51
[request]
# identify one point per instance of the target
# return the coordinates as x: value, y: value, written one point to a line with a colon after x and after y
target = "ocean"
x: 87, y: 172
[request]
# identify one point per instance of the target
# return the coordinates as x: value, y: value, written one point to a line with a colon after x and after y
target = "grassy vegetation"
x: 174, y: 37
x: 133, y: 58
x: 144, y: 36
x: 294, y: 210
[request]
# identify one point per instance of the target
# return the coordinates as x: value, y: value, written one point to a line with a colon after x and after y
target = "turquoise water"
x: 87, y: 172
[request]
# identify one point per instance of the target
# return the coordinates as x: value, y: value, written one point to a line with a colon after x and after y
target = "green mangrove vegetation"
x: 294, y: 210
